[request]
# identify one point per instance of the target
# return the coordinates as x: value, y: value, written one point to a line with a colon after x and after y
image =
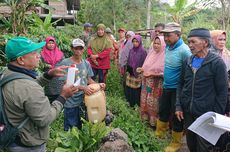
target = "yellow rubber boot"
x: 175, y: 144
x: 161, y: 129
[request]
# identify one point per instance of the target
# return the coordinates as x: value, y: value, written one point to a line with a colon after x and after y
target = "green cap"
x: 19, y: 46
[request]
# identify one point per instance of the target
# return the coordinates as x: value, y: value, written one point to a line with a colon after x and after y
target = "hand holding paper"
x: 211, y: 126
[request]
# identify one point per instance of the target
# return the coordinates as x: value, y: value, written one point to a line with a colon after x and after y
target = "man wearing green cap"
x: 25, y: 98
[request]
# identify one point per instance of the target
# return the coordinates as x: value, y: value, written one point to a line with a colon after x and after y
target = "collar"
x: 176, y: 45
x: 30, y: 73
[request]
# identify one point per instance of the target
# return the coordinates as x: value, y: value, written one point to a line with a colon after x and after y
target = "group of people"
x: 173, y: 83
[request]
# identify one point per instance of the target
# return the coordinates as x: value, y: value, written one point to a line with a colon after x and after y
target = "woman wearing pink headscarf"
x: 51, y: 55
x: 153, y: 69
x: 219, y: 39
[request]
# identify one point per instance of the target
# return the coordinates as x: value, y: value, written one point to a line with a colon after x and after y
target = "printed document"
x: 211, y: 126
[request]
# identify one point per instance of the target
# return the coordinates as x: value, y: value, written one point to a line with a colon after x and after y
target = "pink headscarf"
x: 51, y: 57
x: 215, y: 34
x: 224, y: 54
x: 154, y: 62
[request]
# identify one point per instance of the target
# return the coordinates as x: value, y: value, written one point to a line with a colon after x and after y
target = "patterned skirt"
x: 150, y: 93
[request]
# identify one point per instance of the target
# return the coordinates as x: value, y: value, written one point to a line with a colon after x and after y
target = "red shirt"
x: 103, y: 59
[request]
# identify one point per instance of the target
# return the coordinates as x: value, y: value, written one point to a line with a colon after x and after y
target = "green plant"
x: 3, y: 39
x: 18, y: 15
x: 127, y: 119
x: 181, y: 10
x: 85, y: 140
x: 40, y: 26
x: 114, y: 82
x: 140, y: 136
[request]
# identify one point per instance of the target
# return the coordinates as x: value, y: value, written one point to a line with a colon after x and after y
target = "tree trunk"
x: 114, y: 16
x: 148, y: 13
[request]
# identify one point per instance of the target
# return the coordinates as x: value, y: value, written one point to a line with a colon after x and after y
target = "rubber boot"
x: 161, y: 128
x: 175, y: 144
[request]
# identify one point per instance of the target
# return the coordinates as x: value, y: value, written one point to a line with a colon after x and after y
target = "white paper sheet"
x: 211, y: 126
x: 77, y: 83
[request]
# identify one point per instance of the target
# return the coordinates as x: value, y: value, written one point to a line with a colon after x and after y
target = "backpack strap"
x: 13, y: 76
x: 4, y: 80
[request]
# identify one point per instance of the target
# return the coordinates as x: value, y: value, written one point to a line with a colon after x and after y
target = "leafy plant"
x: 127, y: 119
x: 42, y: 26
x: 181, y: 10
x: 140, y: 136
x: 85, y: 140
x: 18, y: 14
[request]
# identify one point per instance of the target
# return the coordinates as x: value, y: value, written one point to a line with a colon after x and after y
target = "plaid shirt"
x: 132, y: 81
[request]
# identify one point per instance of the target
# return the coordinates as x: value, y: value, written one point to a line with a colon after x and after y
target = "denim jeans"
x: 16, y: 148
x: 72, y: 118
x: 101, y: 75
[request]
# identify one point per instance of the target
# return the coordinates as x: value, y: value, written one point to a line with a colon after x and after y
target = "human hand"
x: 179, y: 115
x: 93, y: 57
x: 88, y: 91
x: 95, y: 62
x: 227, y: 114
x: 102, y: 86
x: 58, y: 71
x: 139, y: 70
x: 68, y: 91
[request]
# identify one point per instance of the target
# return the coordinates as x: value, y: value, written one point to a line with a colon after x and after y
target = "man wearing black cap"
x: 203, y: 86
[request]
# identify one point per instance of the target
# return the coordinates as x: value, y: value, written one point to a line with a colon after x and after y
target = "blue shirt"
x: 85, y: 72
x: 174, y: 57
x: 197, y: 62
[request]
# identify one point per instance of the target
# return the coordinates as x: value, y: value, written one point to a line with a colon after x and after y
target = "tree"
x: 148, y: 13
x: 224, y: 7
x: 225, y: 13
x: 181, y: 10
x: 114, y: 13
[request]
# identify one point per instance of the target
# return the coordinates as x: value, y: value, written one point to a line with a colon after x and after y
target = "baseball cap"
x: 108, y: 30
x: 78, y: 42
x: 171, y: 27
x: 121, y: 29
x: 19, y: 46
x: 88, y: 25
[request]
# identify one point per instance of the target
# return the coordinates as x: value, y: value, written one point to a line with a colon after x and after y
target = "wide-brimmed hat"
x: 19, y: 46
x: 171, y: 27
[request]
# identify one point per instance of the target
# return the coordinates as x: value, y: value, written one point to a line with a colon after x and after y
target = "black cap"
x: 199, y: 32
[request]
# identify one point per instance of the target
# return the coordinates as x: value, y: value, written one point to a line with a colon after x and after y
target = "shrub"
x: 86, y: 140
